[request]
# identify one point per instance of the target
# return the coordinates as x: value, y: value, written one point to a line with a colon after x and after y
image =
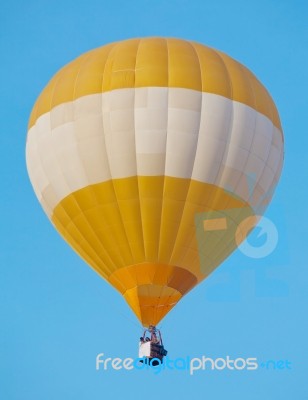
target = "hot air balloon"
x: 129, y: 143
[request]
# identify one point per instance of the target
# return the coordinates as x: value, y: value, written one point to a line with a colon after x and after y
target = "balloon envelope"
x: 148, y: 156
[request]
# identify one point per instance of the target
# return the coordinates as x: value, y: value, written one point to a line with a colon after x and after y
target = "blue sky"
x: 56, y: 314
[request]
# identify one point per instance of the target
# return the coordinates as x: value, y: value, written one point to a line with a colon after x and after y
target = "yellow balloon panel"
x: 151, y: 62
x: 143, y: 238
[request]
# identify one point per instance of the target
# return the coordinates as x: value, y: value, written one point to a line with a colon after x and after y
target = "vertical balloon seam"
x: 110, y: 54
x: 165, y: 181
x: 271, y: 118
x: 137, y: 172
x: 185, y: 194
x: 135, y: 178
x: 164, y: 176
x: 193, y: 164
x: 107, y: 156
x: 172, y: 275
x: 254, y: 106
x: 248, y: 82
x: 164, y: 43
x: 56, y: 80
x: 137, y: 175
x: 136, y: 163
x: 112, y: 261
x: 166, y: 144
x: 163, y: 185
x: 240, y: 211
x: 219, y: 176
x: 231, y: 239
x: 278, y: 171
x: 82, y: 212
x: 106, y: 151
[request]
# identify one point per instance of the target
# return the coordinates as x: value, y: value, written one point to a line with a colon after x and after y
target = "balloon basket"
x: 151, y: 349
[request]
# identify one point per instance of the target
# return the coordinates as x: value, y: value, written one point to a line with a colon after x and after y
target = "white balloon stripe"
x: 75, y: 139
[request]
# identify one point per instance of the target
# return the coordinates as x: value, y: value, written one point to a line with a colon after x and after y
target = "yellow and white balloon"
x: 127, y: 143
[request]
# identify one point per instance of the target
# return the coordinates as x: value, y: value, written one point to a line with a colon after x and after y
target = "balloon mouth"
x: 149, y: 306
x: 152, y: 289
